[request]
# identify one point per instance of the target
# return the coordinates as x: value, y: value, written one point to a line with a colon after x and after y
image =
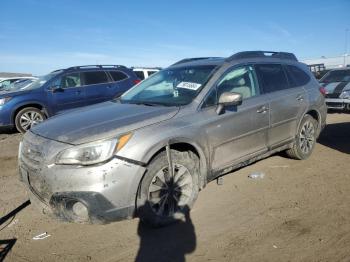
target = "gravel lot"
x: 298, y: 212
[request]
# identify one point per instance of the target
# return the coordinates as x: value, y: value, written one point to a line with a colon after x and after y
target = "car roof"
x: 253, y: 56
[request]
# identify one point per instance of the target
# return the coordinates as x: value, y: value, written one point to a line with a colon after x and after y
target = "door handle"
x: 78, y: 92
x: 300, y: 97
x: 262, y: 110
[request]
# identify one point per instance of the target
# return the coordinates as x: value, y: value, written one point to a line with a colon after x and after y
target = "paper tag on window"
x: 189, y: 85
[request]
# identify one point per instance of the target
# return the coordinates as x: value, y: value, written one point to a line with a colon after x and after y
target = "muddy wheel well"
x: 185, y: 147
x: 315, y: 116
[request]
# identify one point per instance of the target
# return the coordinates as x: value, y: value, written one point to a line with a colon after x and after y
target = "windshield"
x: 170, y: 87
x: 42, y: 80
x: 336, y: 76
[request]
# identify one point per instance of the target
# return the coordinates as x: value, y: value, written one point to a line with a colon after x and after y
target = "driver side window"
x: 70, y: 80
x: 239, y: 80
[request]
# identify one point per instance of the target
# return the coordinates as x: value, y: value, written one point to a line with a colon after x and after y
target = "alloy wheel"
x: 30, y: 119
x: 167, y: 194
x: 307, y: 137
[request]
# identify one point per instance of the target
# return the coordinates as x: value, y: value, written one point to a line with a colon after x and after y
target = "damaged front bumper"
x: 89, y: 194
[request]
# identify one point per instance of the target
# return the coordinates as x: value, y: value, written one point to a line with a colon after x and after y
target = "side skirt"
x: 224, y: 171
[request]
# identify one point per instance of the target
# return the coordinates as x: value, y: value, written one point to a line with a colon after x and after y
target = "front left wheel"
x: 27, y: 118
x: 164, y: 198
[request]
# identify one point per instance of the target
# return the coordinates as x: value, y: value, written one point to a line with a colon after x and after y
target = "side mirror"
x: 228, y: 99
x: 56, y: 89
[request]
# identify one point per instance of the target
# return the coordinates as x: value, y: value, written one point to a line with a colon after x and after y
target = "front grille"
x: 32, y: 163
x: 31, y: 156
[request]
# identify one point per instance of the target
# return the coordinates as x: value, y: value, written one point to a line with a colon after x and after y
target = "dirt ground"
x: 299, y: 211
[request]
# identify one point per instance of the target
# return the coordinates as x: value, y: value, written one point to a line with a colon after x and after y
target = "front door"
x: 67, y: 94
x: 241, y: 131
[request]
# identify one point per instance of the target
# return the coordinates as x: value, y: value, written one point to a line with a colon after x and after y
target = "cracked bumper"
x: 108, y: 190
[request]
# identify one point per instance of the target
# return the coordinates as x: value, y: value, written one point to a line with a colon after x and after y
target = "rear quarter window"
x: 296, y: 76
x: 117, y: 75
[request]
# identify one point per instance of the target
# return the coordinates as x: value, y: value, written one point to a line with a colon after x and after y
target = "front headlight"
x: 92, y: 153
x: 4, y: 100
x: 345, y: 94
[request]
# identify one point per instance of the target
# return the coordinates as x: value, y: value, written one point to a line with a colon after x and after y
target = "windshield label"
x: 189, y: 85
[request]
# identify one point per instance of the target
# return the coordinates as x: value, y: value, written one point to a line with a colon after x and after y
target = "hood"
x: 101, y: 121
x: 13, y: 93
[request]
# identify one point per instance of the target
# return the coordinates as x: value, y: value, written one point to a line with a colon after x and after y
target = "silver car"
x: 149, y: 153
x: 337, y: 88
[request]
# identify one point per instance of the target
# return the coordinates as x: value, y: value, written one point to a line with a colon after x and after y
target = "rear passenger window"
x: 95, y: 77
x: 296, y: 76
x: 118, y: 76
x: 272, y: 76
x: 140, y: 74
x: 151, y: 72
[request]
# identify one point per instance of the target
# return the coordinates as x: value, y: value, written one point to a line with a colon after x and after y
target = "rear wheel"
x: 305, y: 140
x: 27, y: 118
x: 164, y: 198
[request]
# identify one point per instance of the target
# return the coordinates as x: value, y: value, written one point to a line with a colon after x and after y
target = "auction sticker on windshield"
x: 189, y: 85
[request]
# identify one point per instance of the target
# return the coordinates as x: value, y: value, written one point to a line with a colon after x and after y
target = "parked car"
x: 145, y: 72
x: 151, y: 151
x: 20, y: 84
x: 63, y: 90
x: 4, y: 83
x: 337, y: 86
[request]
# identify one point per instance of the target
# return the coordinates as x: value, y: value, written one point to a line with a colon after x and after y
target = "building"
x: 330, y: 62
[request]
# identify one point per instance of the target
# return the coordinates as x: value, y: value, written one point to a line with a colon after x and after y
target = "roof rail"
x: 194, y: 59
x: 256, y: 54
x: 95, y: 66
x: 146, y: 67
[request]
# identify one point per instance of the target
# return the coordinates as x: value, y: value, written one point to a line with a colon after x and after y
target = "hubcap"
x: 307, y: 137
x: 30, y: 119
x: 168, y: 194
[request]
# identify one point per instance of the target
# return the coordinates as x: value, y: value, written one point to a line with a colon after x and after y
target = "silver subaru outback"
x: 151, y: 151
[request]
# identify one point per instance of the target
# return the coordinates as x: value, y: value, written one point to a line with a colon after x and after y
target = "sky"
x: 38, y: 36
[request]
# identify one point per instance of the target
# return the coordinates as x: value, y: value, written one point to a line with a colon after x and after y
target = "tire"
x: 305, y: 139
x: 27, y: 118
x: 162, y: 201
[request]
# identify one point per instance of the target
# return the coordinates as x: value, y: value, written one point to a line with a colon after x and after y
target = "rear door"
x: 97, y: 86
x: 287, y: 102
x: 70, y: 93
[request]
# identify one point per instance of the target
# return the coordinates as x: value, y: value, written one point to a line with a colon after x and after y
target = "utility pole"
x: 346, y: 53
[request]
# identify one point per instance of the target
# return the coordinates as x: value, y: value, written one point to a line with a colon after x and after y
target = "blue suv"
x: 63, y: 90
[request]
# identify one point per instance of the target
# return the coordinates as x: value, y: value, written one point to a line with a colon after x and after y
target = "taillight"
x: 323, y: 90
x: 136, y: 81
